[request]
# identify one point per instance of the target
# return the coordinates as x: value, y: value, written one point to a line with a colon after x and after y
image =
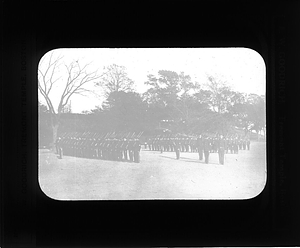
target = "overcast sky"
x: 243, y: 69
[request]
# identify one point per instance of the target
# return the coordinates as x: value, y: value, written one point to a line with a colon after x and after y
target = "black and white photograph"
x: 152, y: 123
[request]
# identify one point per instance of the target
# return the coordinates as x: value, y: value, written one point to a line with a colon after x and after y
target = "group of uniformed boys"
x: 115, y: 149
x: 128, y: 149
x: 202, y: 144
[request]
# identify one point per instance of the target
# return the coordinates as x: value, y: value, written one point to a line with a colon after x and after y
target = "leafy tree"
x: 172, y: 91
x: 249, y: 112
x: 238, y: 112
x: 125, y: 111
x: 220, y: 97
x: 256, y: 112
x: 216, y: 108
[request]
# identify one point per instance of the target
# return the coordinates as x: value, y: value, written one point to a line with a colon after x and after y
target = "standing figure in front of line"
x: 130, y: 149
x: 124, y: 149
x: 176, y: 145
x: 136, y: 150
x: 221, y: 149
x: 248, y: 143
x: 206, y: 148
x: 244, y: 142
x: 162, y: 146
x: 200, y: 147
x: 171, y: 141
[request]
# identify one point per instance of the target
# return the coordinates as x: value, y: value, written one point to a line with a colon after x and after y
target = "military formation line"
x: 127, y: 147
x: 202, y: 144
x: 108, y: 146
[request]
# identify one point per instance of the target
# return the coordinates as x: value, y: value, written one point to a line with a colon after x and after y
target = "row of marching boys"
x: 106, y: 148
x: 203, y: 144
x: 190, y: 144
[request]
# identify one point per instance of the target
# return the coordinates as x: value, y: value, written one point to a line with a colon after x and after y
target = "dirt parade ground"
x: 157, y: 176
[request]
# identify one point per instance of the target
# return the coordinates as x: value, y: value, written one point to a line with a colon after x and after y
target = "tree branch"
x: 49, y: 103
x: 76, y: 89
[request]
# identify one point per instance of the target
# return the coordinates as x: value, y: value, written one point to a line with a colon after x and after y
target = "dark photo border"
x: 31, y: 29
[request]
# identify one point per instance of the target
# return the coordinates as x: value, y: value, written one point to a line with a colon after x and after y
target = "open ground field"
x: 157, y: 176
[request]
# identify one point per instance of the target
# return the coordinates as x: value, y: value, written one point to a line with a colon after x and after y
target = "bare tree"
x: 76, y: 79
x: 115, y: 79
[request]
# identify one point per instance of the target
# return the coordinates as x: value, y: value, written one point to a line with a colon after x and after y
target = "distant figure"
x: 125, y: 149
x: 150, y: 144
x: 248, y: 144
x: 130, y: 150
x: 136, y: 151
x: 171, y: 144
x: 206, y: 148
x: 177, y: 148
x: 214, y: 145
x: 221, y: 149
x: 162, y: 147
x: 200, y: 147
x: 244, y: 144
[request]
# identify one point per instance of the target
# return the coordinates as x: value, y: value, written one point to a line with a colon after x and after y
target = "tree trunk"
x: 54, y: 136
x: 55, y: 125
